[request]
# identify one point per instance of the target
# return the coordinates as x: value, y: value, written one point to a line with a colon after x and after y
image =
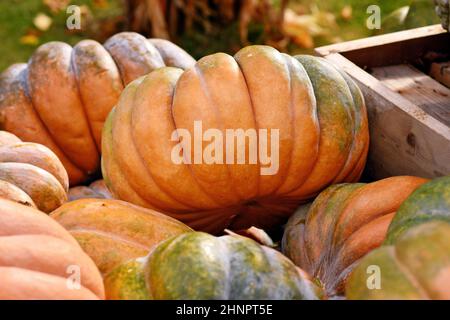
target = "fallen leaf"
x: 347, y: 12
x: 42, y: 21
x: 29, y: 39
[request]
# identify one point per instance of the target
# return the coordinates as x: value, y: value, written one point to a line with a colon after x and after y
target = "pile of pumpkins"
x: 92, y: 205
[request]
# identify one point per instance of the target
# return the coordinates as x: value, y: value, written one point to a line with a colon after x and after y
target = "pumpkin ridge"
x: 214, y: 201
x: 170, y: 198
x: 24, y: 85
x: 218, y: 116
x: 254, y: 120
x: 75, y: 71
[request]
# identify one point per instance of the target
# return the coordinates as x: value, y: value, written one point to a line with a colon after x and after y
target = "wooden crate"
x: 409, y: 112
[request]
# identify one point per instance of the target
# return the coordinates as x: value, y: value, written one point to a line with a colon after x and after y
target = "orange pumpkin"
x: 317, y: 111
x: 31, y: 174
x: 96, y: 190
x: 63, y: 95
x: 38, y: 258
x: 343, y: 224
x: 112, y: 231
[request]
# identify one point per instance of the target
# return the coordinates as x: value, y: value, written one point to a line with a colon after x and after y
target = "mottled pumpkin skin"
x: 343, y: 224
x: 31, y: 174
x: 63, y: 95
x: 112, y: 232
x: 416, y: 266
x: 200, y: 266
x: 429, y: 202
x: 96, y: 190
x: 319, y: 112
x: 37, y: 256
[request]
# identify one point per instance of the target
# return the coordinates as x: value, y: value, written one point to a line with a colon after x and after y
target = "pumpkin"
x: 31, y: 174
x: 317, y: 112
x: 197, y: 265
x: 112, y: 231
x: 63, y: 95
x: 38, y: 258
x: 96, y: 189
x: 416, y: 266
x: 343, y: 224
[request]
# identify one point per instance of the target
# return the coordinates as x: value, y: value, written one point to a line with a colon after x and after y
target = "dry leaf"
x: 42, y: 21
x: 56, y: 5
x: 29, y: 39
x: 347, y: 12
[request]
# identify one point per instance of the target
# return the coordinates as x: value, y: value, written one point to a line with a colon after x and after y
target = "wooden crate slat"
x: 417, y: 87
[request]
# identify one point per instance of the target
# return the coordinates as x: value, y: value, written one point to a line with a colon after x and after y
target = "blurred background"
x: 204, y: 26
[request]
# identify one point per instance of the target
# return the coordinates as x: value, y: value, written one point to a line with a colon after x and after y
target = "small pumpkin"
x: 343, y: 224
x: 317, y: 110
x: 96, y: 189
x: 112, y: 231
x: 416, y: 266
x: 63, y: 95
x: 197, y: 265
x: 37, y: 257
x: 31, y: 174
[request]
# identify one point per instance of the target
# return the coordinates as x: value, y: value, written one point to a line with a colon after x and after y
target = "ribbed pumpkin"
x: 417, y: 266
x: 63, y: 95
x: 344, y: 223
x: 318, y: 111
x: 415, y: 262
x: 96, y: 190
x: 38, y: 258
x: 112, y: 232
x: 200, y: 266
x: 31, y: 174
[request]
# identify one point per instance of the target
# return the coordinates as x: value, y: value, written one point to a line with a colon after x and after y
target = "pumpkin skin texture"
x: 200, y: 266
x: 31, y: 174
x: 112, y: 232
x: 319, y: 112
x: 416, y: 266
x: 36, y: 254
x: 96, y: 190
x: 343, y: 224
x: 429, y: 202
x: 63, y: 95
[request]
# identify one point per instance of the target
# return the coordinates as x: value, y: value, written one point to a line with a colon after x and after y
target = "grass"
x: 16, y: 19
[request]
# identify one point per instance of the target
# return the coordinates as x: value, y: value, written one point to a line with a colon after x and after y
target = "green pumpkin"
x: 200, y: 266
x: 430, y: 201
x: 417, y: 266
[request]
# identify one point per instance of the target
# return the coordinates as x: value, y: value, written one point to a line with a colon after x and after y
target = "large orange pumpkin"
x: 63, y: 95
x: 318, y: 111
x: 41, y: 260
x: 31, y: 174
x: 343, y: 224
x: 112, y: 231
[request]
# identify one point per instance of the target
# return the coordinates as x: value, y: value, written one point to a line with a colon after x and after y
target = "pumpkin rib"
x: 183, y: 200
x: 17, y: 85
x: 128, y: 157
x: 308, y: 91
x: 10, y: 191
x: 69, y: 126
x: 229, y: 187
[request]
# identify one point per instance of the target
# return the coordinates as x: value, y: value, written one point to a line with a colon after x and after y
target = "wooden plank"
x: 405, y: 140
x: 391, y: 49
x: 418, y: 88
